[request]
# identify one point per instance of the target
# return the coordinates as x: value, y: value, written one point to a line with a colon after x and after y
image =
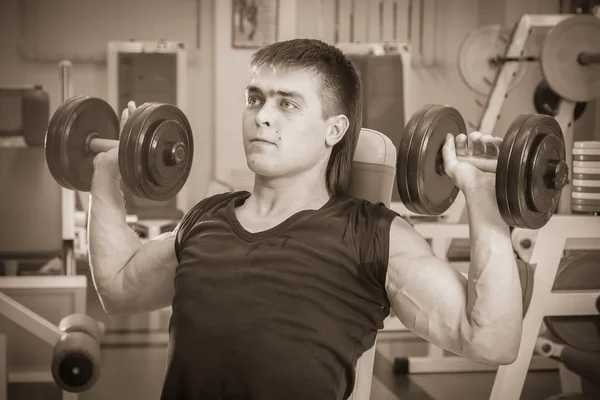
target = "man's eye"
x: 252, y: 101
x: 286, y: 104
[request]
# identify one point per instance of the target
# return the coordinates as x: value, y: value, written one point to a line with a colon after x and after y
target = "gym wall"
x: 217, y: 73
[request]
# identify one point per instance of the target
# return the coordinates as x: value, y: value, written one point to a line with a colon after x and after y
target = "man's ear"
x: 337, y: 127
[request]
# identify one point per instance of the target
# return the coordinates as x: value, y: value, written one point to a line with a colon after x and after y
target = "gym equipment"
x: 570, y: 58
x: 564, y: 231
x: 583, y: 363
x: 73, y: 359
x: 76, y: 357
x: 546, y: 101
x: 530, y: 171
x: 579, y: 271
x: 476, y: 58
x: 585, y: 191
x: 155, y: 150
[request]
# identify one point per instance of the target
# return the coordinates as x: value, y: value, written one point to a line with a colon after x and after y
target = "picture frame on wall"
x: 254, y: 23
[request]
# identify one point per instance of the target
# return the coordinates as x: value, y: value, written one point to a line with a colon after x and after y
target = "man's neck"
x: 282, y: 196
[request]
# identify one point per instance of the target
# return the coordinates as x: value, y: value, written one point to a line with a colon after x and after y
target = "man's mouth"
x: 261, y: 141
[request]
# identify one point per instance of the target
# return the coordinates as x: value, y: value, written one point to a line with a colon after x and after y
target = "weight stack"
x: 585, y: 186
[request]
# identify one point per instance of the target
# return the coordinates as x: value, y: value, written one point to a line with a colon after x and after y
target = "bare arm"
x: 479, y: 317
x: 129, y: 276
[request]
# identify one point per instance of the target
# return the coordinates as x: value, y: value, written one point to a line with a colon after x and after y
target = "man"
x: 278, y: 292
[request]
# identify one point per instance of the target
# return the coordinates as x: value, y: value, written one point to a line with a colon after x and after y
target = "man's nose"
x: 266, y: 115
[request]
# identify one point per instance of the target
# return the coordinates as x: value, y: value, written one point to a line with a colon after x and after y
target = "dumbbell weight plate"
x: 145, y: 140
x: 67, y: 155
x: 586, y: 158
x: 524, y: 174
x: 52, y: 143
x: 423, y: 186
x: 586, y: 202
x: 584, y: 177
x: 586, y: 189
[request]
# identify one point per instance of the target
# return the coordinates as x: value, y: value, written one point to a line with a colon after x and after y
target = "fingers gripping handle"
x: 448, y: 155
x: 97, y: 145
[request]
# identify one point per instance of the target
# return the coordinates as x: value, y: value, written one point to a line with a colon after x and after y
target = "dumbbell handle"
x: 174, y: 155
x: 587, y: 58
x: 558, y: 169
x: 97, y: 145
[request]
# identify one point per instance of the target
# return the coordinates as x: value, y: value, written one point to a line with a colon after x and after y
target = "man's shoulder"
x: 216, y: 201
x: 372, y: 210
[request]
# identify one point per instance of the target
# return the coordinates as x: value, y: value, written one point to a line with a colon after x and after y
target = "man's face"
x: 284, y: 130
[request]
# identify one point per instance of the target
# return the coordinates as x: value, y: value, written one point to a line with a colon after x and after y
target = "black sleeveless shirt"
x: 279, y: 314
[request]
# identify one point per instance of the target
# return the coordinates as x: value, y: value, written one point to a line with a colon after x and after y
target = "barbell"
x: 530, y: 172
x: 570, y: 58
x: 156, y: 146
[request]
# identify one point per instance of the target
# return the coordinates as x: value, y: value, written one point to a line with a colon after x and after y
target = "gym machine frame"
x: 34, y: 323
x: 68, y: 221
x: 563, y: 232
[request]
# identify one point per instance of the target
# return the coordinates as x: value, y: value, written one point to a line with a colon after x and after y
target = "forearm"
x: 494, y: 300
x: 112, y: 243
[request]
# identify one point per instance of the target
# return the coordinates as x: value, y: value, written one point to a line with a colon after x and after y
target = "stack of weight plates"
x: 585, y: 188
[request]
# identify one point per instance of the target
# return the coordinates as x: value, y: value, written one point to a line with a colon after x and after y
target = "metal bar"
x: 98, y: 145
x: 586, y: 58
x: 546, y: 255
x: 564, y: 116
x: 505, y: 76
x: 29, y: 320
x: 572, y: 303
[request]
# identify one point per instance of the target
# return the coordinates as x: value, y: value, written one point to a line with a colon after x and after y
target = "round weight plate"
x: 586, y: 164
x: 132, y: 125
x: 52, y: 143
x: 402, y: 167
x: 588, y: 152
x: 579, y: 170
x: 586, y: 183
x: 145, y: 151
x: 475, y: 53
x: 69, y: 160
x: 586, y: 144
x: 586, y: 189
x: 585, y: 208
x: 579, y: 271
x: 586, y: 202
x: 542, y: 172
x: 546, y: 101
x: 590, y: 196
x: 431, y: 191
x: 526, y: 171
x: 559, y: 58
x: 586, y: 177
x: 587, y: 157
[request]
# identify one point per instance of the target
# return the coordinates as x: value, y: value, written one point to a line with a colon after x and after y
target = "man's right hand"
x: 108, y: 162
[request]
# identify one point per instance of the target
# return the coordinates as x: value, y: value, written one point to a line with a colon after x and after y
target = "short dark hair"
x: 341, y: 93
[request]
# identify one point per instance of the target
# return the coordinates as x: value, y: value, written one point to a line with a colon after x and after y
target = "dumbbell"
x: 530, y: 172
x: 156, y: 146
x: 76, y: 358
